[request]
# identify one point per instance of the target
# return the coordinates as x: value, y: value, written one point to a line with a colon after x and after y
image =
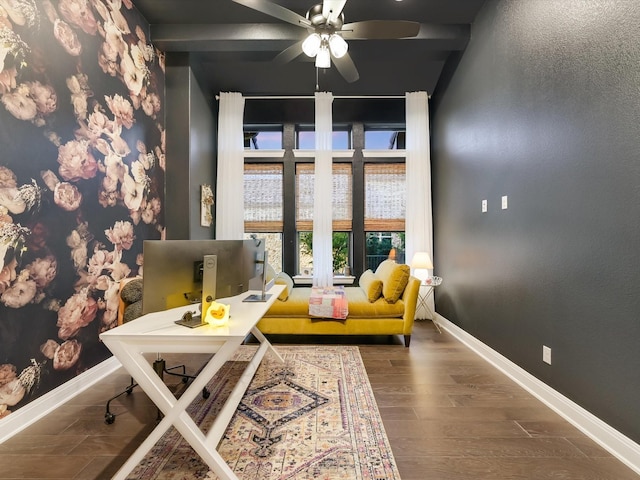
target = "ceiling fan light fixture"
x: 311, y: 45
x: 323, y: 59
x: 338, y: 46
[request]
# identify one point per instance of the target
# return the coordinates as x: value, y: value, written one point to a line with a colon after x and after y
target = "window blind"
x: 341, y: 197
x: 384, y: 197
x: 263, y: 198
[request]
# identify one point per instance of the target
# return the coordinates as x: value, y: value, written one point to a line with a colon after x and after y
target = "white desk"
x: 157, y: 332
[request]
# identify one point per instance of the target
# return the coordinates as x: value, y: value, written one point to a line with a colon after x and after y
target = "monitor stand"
x: 209, y: 277
x: 190, y: 320
x: 257, y: 297
x: 260, y: 297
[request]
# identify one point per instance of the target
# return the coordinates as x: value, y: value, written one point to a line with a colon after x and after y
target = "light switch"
x: 484, y: 206
x: 504, y: 202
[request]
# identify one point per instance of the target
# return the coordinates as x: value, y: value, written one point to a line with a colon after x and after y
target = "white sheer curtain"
x: 322, y: 193
x: 230, y: 184
x: 418, y: 223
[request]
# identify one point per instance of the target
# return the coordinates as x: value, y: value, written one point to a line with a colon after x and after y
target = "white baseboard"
x: 35, y: 410
x: 620, y: 446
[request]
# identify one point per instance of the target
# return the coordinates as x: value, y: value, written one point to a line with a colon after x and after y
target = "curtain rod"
x: 306, y: 97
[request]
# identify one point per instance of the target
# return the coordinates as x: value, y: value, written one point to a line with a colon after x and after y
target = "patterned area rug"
x: 314, y: 417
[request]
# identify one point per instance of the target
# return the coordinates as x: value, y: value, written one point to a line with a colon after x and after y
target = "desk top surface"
x: 243, y: 316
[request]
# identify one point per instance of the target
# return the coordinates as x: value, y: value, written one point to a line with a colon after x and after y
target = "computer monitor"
x: 174, y: 271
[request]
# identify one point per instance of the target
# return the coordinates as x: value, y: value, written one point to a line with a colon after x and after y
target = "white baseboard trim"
x: 620, y: 446
x: 17, y: 421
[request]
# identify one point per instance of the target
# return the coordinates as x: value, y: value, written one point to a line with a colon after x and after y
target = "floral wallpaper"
x: 81, y: 181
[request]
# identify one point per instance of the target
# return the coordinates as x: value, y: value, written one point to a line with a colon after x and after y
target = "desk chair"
x: 129, y: 309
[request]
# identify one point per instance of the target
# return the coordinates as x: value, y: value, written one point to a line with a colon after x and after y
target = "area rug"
x: 313, y: 417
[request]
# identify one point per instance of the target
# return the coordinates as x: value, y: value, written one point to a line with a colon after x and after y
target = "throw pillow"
x: 371, y: 285
x: 271, y: 273
x: 385, y: 269
x: 394, y: 279
x: 283, y: 279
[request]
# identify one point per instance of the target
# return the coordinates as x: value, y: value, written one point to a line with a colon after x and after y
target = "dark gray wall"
x: 190, y: 147
x: 202, y: 135
x: 543, y: 107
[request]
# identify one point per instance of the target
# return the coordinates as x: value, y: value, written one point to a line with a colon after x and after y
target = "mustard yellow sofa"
x: 383, y: 303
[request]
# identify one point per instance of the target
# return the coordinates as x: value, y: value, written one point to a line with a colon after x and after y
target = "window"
x: 368, y: 193
x: 306, y: 137
x: 384, y: 138
x: 263, y: 207
x: 341, y: 248
x: 383, y: 245
x: 342, y: 204
x: 384, y: 212
x: 263, y: 137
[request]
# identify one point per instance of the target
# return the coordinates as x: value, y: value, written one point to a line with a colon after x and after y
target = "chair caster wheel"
x: 185, y: 379
x: 205, y: 393
x: 129, y: 391
x: 109, y: 418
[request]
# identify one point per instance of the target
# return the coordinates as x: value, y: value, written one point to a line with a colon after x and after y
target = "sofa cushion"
x: 394, y: 278
x: 371, y: 285
x: 132, y: 311
x: 297, y: 305
x: 284, y: 279
x: 131, y: 290
x: 360, y: 307
x: 130, y: 304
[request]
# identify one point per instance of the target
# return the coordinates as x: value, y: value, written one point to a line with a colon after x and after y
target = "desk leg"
x: 263, y: 341
x: 219, y: 426
x: 174, y: 411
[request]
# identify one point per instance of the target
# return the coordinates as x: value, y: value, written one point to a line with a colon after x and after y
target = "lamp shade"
x: 323, y: 59
x: 311, y: 45
x: 338, y: 46
x: 421, y: 260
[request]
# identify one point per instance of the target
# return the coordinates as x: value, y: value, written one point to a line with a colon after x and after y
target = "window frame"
x: 357, y: 241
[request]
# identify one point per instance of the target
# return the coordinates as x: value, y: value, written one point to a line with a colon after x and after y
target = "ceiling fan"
x: 327, y: 33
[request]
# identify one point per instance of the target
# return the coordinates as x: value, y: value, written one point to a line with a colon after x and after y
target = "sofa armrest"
x: 410, y: 299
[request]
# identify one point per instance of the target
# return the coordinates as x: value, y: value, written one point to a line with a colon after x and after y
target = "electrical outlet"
x: 505, y: 203
x: 546, y: 354
x: 484, y: 206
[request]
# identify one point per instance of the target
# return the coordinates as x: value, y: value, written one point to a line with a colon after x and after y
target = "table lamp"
x: 421, y: 264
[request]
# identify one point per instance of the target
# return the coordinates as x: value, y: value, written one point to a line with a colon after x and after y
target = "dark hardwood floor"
x: 448, y: 415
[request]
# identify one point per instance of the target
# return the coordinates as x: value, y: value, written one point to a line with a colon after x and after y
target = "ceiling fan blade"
x: 380, y: 29
x: 276, y: 11
x: 290, y: 53
x: 331, y: 10
x: 347, y: 68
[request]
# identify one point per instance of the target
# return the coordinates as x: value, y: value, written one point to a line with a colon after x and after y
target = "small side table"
x: 426, y: 287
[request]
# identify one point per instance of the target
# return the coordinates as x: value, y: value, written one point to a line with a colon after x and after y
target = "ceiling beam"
x: 275, y: 37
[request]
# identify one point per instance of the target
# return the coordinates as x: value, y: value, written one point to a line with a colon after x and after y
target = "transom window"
x: 306, y: 137
x: 263, y: 137
x: 378, y: 137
